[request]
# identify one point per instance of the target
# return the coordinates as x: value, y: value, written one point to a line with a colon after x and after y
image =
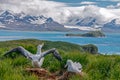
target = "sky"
x: 102, y: 3
x: 64, y: 10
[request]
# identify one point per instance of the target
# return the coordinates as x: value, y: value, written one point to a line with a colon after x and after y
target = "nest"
x: 46, y: 75
x: 41, y: 73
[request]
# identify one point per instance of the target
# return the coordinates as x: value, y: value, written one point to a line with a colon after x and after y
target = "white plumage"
x: 38, y: 58
x: 73, y: 66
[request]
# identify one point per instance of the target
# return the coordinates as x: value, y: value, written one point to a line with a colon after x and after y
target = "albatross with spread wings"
x: 38, y: 58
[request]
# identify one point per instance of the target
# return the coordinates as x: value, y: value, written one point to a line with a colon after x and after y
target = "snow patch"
x: 118, y: 21
x: 1, y: 25
x: 83, y: 28
x: 40, y: 20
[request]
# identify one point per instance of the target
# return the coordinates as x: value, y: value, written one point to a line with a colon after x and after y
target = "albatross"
x: 73, y: 66
x: 38, y: 58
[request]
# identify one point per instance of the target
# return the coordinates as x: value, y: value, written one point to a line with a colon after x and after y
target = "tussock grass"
x: 95, y: 67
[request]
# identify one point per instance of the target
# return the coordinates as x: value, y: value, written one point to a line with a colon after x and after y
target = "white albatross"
x: 38, y: 58
x: 73, y: 66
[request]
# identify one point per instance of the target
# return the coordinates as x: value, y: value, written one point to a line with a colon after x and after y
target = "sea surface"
x: 106, y: 45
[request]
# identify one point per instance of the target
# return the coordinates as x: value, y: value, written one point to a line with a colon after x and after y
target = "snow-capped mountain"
x: 91, y: 23
x: 34, y: 19
x: 8, y: 17
x: 21, y: 21
x: 86, y: 22
x: 113, y: 25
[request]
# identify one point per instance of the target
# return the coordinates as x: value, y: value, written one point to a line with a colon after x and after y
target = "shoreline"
x: 102, y: 53
x: 111, y: 39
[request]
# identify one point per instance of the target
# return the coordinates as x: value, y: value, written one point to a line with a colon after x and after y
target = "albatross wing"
x: 54, y: 52
x: 20, y: 49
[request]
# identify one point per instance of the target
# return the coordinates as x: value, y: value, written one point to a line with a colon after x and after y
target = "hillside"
x: 95, y: 67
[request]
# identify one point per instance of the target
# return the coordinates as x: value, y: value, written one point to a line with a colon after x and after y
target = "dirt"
x: 46, y: 75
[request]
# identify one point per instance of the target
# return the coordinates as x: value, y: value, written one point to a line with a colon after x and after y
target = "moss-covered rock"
x: 90, y: 48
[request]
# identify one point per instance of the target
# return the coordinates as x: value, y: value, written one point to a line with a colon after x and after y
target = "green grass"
x: 95, y: 67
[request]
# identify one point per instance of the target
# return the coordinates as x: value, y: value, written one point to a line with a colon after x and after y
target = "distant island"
x: 89, y: 34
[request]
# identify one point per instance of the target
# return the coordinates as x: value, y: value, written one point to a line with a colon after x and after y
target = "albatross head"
x: 69, y: 61
x: 40, y: 45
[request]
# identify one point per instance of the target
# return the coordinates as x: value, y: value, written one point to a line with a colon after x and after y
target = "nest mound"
x: 41, y: 73
x: 46, y: 75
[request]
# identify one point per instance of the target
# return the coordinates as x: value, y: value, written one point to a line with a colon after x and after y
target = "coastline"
x: 109, y: 44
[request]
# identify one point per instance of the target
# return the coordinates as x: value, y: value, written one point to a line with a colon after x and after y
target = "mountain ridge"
x: 25, y: 22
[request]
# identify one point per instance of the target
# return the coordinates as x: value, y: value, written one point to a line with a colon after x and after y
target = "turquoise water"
x: 108, y: 45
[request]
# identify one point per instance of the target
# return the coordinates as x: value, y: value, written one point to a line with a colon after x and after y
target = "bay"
x: 106, y: 45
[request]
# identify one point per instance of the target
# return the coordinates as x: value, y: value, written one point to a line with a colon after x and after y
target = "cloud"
x: 88, y: 3
x: 35, y: 7
x: 114, y: 6
x: 60, y: 12
x: 30, y: 5
x: 110, y: 0
x: 115, y: 0
x: 102, y: 15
